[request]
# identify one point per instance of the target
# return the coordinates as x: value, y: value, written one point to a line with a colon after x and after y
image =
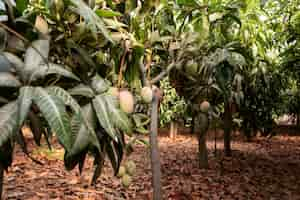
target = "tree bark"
x: 227, y: 129
x: 1, y: 180
x: 193, y: 125
x: 155, y: 160
x: 203, y: 154
x: 215, y: 152
x: 173, y: 129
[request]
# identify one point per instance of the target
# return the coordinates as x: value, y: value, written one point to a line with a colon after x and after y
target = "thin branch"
x: 143, y: 72
x: 122, y: 68
x: 163, y: 73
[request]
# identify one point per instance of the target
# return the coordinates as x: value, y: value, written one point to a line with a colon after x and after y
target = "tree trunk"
x: 155, y: 161
x: 173, y: 129
x: 203, y: 154
x: 193, y: 125
x: 298, y: 120
x: 1, y: 180
x: 227, y: 129
x: 215, y: 152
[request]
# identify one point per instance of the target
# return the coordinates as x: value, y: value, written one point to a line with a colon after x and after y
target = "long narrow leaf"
x: 53, y: 109
x: 91, y: 18
x: 64, y: 96
x: 82, y: 136
x: 36, y: 55
x: 82, y: 90
x: 51, y: 68
x: 25, y: 101
x: 9, y: 80
x: 118, y: 117
x: 102, y: 112
x: 8, y: 122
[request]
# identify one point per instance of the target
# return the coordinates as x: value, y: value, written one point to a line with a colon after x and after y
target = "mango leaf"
x: 9, y: 80
x: 101, y: 109
x: 5, y: 65
x: 118, y: 117
x: 107, y: 13
x: 82, y: 90
x: 91, y: 18
x: 85, y: 117
x: 17, y: 63
x: 114, y: 152
x: 36, y: 54
x: 6, y: 154
x: 8, y: 122
x: 25, y: 100
x: 99, y: 84
x: 81, y: 136
x: 54, y: 111
x: 65, y: 97
x: 36, y: 127
x: 51, y: 68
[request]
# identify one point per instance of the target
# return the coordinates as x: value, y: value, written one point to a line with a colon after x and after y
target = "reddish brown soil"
x: 262, y: 169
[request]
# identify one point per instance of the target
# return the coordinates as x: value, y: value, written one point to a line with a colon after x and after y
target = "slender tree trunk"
x: 298, y: 120
x: 215, y: 152
x: 227, y: 129
x: 203, y: 154
x: 1, y: 180
x: 155, y: 161
x: 193, y: 125
x: 173, y: 129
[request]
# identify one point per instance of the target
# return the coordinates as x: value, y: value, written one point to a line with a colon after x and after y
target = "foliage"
x: 172, y: 106
x: 65, y: 94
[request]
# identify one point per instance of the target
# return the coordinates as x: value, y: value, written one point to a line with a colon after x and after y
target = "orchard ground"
x: 262, y: 169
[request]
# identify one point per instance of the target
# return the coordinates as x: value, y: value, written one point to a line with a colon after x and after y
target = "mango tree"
x: 83, y: 114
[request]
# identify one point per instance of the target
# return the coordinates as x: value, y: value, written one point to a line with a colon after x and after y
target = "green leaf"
x: 35, y: 55
x: 95, y: 22
x: 107, y: 13
x: 5, y: 65
x: 25, y: 101
x: 64, y: 96
x: 114, y: 155
x: 82, y: 90
x: 100, y: 106
x: 8, y: 122
x: 17, y: 63
x: 85, y: 117
x: 84, y: 54
x: 99, y: 84
x: 9, y: 80
x: 82, y: 137
x: 51, y: 68
x: 36, y: 127
x: 21, y: 5
x: 6, y: 154
x: 117, y: 116
x: 54, y: 111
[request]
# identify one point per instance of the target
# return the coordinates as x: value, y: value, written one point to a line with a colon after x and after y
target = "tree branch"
x: 163, y: 73
x: 143, y: 72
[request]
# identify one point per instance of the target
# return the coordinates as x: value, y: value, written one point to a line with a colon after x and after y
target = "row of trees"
x: 66, y: 64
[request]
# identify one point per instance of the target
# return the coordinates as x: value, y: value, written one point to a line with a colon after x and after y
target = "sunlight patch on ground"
x: 53, y: 154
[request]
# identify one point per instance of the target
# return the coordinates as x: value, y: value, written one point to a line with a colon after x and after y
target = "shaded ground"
x: 263, y: 169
